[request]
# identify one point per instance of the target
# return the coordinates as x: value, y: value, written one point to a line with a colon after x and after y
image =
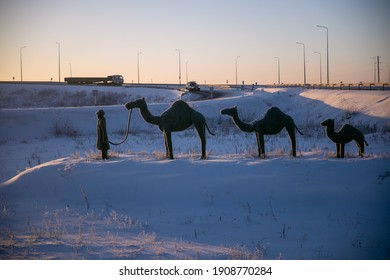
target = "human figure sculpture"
x: 102, y: 138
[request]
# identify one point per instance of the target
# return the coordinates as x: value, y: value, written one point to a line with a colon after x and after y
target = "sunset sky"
x: 99, y: 38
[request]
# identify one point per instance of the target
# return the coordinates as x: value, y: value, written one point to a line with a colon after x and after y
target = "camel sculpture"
x: 345, y: 135
x: 272, y: 122
x: 178, y: 117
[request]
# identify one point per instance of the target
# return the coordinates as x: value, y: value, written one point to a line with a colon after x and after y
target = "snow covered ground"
x: 58, y: 200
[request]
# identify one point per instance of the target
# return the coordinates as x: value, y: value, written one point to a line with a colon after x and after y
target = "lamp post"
x: 377, y: 64
x: 320, y: 67
x: 374, y: 58
x: 278, y: 69
x: 187, y: 71
x: 59, y: 62
x: 236, y: 70
x: 179, y: 65
x: 327, y: 52
x: 21, y: 63
x: 304, y: 62
x: 70, y: 68
x: 138, y: 64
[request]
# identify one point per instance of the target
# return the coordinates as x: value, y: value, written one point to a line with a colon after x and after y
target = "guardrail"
x: 340, y: 86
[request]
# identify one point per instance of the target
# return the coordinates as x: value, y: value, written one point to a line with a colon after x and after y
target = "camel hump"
x: 179, y: 109
x: 180, y: 104
x: 349, y: 127
x: 275, y: 113
x: 275, y: 110
x: 351, y: 130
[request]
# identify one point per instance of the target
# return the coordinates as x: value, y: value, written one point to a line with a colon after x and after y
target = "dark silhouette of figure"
x: 178, y: 117
x: 345, y: 135
x: 102, y: 138
x: 272, y: 122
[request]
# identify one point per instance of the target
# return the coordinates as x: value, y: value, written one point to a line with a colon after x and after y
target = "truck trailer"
x: 114, y: 80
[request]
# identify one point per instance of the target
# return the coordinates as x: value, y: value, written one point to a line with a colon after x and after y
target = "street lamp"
x: 278, y: 69
x: 187, y: 71
x: 21, y: 63
x: 304, y: 62
x: 374, y: 58
x: 179, y: 66
x: 59, y: 62
x: 377, y: 64
x: 236, y: 70
x: 138, y: 64
x: 327, y: 52
x: 320, y: 67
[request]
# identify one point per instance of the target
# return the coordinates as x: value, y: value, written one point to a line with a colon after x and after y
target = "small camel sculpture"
x: 345, y: 135
x: 178, y: 117
x: 272, y: 122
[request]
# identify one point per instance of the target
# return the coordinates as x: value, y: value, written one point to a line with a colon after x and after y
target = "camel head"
x: 229, y: 111
x: 135, y: 104
x: 328, y: 122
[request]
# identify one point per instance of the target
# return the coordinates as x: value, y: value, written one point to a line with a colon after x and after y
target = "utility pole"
x: 320, y: 67
x: 374, y: 58
x: 21, y: 63
x: 304, y: 62
x: 59, y: 62
x: 179, y: 66
x: 138, y: 64
x: 236, y: 70
x: 278, y: 69
x: 377, y: 64
x: 327, y: 52
x: 187, y: 71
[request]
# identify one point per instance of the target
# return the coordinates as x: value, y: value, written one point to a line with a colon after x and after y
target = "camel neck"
x: 246, y: 127
x: 331, y: 133
x: 148, y: 117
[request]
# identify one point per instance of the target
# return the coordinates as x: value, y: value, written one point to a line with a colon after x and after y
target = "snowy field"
x: 58, y: 200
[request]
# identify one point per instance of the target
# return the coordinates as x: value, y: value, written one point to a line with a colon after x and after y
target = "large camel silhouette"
x: 272, y: 122
x: 345, y: 135
x: 178, y: 117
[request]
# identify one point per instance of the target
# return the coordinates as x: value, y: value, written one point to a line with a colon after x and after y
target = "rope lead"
x: 127, y: 132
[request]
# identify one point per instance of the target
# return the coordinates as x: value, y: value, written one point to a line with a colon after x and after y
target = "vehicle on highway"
x: 192, y: 86
x: 115, y: 80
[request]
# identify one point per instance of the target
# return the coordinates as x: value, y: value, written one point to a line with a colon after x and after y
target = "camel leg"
x: 200, y: 129
x: 168, y: 144
x: 291, y: 133
x: 360, y: 146
x: 342, y: 149
x: 338, y: 150
x: 260, y: 144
